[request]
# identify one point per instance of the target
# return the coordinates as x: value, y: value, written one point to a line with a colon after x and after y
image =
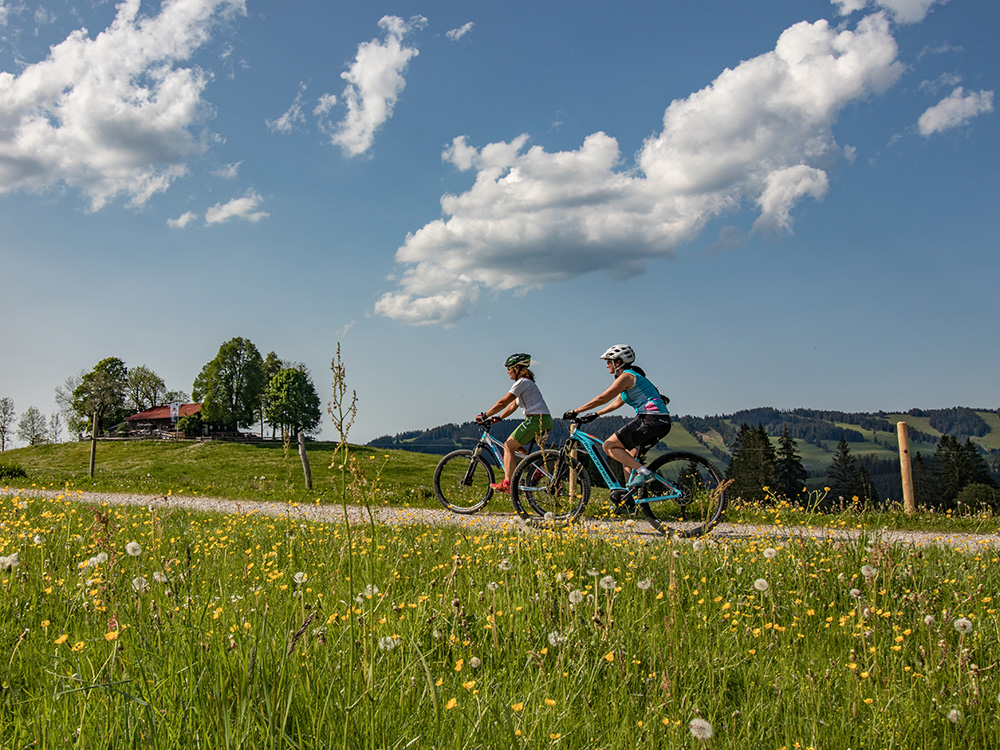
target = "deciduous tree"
x: 101, y: 392
x: 231, y: 384
x: 32, y: 427
x: 144, y: 389
x: 292, y: 405
x: 6, y: 419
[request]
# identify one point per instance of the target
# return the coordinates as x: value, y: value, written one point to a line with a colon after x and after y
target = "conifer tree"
x: 843, y: 476
x: 752, y: 465
x: 790, y: 474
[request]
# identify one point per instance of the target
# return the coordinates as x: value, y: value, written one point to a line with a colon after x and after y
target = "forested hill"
x: 816, y: 432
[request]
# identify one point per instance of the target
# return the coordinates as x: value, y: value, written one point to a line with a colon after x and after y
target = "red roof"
x: 163, y: 412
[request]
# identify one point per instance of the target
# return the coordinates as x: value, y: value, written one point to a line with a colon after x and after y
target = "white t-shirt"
x: 529, y: 398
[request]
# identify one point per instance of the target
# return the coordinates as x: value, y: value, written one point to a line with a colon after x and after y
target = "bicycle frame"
x: 591, y: 445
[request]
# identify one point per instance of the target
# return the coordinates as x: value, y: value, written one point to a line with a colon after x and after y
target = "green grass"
x: 253, y: 632
x: 264, y: 472
x: 239, y: 471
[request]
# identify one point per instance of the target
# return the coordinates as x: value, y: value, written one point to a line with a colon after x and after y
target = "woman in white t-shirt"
x: 537, y: 419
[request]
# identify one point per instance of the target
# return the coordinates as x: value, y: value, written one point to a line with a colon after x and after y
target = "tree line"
x: 957, y: 477
x: 237, y: 388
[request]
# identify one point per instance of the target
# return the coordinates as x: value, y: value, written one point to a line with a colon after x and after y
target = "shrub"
x: 12, y: 471
x: 977, y: 497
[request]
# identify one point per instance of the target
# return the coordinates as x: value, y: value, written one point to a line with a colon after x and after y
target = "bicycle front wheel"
x: 462, y: 481
x: 702, y: 495
x: 550, y: 485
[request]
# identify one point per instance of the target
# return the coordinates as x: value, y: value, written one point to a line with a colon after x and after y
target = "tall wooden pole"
x: 93, y: 445
x: 909, y: 506
x: 305, y: 460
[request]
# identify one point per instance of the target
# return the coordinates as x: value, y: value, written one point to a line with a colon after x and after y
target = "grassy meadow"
x: 122, y: 627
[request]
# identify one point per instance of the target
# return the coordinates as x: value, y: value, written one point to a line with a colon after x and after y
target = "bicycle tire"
x: 702, y: 504
x: 450, y: 478
x: 542, y: 485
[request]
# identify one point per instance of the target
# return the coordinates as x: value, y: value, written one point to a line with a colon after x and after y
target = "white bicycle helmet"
x: 620, y: 351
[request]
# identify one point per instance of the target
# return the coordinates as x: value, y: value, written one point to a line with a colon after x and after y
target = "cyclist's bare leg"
x: 614, y: 448
x: 510, y: 458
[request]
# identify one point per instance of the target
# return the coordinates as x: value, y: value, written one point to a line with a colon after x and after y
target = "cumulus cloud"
x: 902, y: 11
x: 229, y: 171
x: 238, y: 208
x: 455, y: 34
x: 292, y: 117
x: 956, y: 109
x: 113, y: 115
x: 760, y: 133
x: 374, y: 82
x: 183, y: 220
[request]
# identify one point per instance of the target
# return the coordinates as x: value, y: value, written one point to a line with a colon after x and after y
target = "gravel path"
x: 494, y: 520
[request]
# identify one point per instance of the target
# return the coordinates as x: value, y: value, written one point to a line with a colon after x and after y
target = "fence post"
x: 909, y: 506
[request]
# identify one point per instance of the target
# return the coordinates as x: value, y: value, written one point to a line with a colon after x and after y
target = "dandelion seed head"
x: 140, y: 584
x: 698, y: 545
x: 645, y: 584
x: 963, y: 625
x: 134, y: 549
x: 475, y: 662
x: 159, y: 577
x: 300, y: 577
x: 954, y: 716
x: 38, y: 539
x: 607, y: 583
x: 700, y: 729
x: 575, y: 596
x: 770, y: 553
x: 855, y: 594
x: 929, y: 620
x: 556, y: 638
x: 387, y: 643
x: 761, y: 585
x: 868, y: 571
x: 504, y: 565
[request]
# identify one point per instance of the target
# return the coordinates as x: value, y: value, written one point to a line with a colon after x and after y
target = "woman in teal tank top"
x: 630, y: 387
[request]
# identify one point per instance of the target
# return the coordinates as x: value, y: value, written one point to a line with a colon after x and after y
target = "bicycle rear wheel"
x: 548, y: 482
x: 462, y: 481
x: 703, y: 495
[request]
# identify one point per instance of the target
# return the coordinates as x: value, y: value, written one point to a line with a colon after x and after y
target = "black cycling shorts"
x: 645, y: 429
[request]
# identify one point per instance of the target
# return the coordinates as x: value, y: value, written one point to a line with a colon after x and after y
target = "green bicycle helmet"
x: 519, y: 359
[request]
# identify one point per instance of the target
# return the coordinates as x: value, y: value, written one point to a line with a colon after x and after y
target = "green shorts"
x: 531, y: 427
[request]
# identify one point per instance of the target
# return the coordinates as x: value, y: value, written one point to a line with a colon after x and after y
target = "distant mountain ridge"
x: 816, y: 432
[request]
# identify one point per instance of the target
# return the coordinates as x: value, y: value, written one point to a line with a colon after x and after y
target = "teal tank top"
x: 644, y: 396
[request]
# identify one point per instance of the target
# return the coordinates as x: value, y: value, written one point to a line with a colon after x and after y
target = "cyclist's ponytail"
x: 637, y: 369
x: 523, y: 372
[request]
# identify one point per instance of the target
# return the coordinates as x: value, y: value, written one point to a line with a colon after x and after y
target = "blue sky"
x: 779, y: 203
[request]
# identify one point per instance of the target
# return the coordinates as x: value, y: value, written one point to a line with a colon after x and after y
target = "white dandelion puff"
x: 607, y: 583
x: 159, y: 577
x: 140, y: 584
x: 761, y: 585
x: 770, y: 553
x: 868, y: 571
x: 954, y: 716
x: 300, y: 577
x: 504, y: 565
x: 475, y: 662
x: 388, y: 643
x: 134, y: 549
x: 855, y: 594
x: 38, y: 539
x: 698, y: 545
x: 575, y: 596
x: 556, y: 638
x: 963, y: 625
x: 645, y: 584
x: 929, y: 620
x: 700, y: 729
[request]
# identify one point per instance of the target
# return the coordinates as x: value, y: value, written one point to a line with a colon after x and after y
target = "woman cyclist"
x: 537, y: 418
x: 652, y: 420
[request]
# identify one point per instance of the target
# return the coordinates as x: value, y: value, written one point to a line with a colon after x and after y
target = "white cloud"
x: 374, y: 82
x: 324, y: 105
x: 760, y: 133
x: 3, y: 14
x: 111, y: 115
x: 902, y: 11
x: 183, y: 220
x: 455, y: 34
x: 956, y: 109
x: 229, y: 171
x: 292, y: 117
x: 237, y: 208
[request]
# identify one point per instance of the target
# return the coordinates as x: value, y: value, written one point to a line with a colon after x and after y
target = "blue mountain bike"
x: 686, y: 497
x: 462, y: 478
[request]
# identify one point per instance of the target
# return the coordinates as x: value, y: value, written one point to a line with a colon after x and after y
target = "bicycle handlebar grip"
x: 585, y: 418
